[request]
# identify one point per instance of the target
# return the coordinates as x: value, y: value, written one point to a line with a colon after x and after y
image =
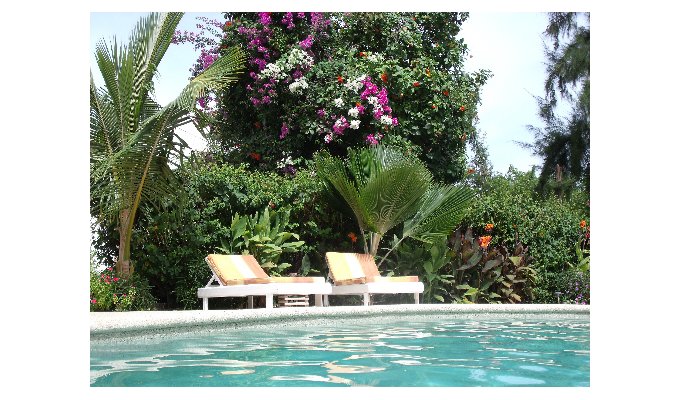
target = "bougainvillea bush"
x: 337, y: 80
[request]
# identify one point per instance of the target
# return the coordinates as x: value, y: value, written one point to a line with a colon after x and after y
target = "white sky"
x: 510, y: 44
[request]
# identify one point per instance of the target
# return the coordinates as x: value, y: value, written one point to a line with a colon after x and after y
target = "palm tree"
x: 382, y: 189
x: 132, y: 138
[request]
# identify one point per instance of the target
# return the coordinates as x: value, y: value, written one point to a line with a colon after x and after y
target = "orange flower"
x: 255, y: 156
x: 471, y: 170
x: 488, y: 227
x: 416, y: 84
x: 362, y: 54
x: 427, y: 72
x: 445, y: 92
x: 484, y: 241
x: 383, y: 76
x: 583, y: 224
x: 352, y: 236
x: 462, y: 108
x: 340, y: 79
x: 228, y: 24
x: 434, y: 106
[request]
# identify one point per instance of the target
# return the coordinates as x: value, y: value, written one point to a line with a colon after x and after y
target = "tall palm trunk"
x: 123, y: 266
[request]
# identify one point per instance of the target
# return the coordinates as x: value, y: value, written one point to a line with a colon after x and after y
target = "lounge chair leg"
x: 205, y: 303
x: 269, y: 302
x: 417, y: 296
x: 326, y: 303
x: 250, y: 301
x: 318, y: 300
x: 367, y: 299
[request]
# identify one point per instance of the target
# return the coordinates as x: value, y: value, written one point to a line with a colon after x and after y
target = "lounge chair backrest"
x: 345, y: 267
x: 235, y: 267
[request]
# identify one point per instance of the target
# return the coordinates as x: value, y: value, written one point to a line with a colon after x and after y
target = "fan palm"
x: 382, y: 189
x: 132, y: 138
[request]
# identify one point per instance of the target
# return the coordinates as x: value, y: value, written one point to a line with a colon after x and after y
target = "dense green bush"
x: 171, y: 243
x: 549, y: 226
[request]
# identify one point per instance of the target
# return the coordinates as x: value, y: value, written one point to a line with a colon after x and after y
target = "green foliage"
x: 493, y: 275
x: 172, y: 242
x: 109, y: 292
x: 382, y: 188
x: 573, y: 286
x: 547, y: 225
x: 263, y: 236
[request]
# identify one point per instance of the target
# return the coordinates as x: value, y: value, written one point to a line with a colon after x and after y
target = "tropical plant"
x: 263, y: 236
x: 486, y: 274
x: 110, y: 292
x: 132, y: 138
x: 382, y: 188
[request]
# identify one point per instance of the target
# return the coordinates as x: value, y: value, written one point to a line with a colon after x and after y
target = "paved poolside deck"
x: 111, y: 324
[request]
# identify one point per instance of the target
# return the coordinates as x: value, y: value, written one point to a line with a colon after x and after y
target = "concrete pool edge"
x: 108, y: 324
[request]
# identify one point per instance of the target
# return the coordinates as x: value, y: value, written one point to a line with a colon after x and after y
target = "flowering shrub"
x: 337, y: 80
x: 109, y: 292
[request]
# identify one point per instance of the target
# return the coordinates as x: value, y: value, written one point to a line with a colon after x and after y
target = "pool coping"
x: 112, y: 324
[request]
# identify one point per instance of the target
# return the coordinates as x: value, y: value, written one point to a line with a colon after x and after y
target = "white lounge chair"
x: 242, y: 275
x: 357, y: 274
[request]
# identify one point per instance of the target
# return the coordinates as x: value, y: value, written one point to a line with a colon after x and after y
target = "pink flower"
x: 307, y: 42
x: 93, y: 301
x: 284, y: 131
x: 116, y: 279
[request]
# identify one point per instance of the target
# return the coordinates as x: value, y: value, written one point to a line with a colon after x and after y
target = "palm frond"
x: 440, y: 211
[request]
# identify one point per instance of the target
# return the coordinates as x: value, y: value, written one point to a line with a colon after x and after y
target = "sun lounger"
x: 357, y: 274
x: 242, y: 275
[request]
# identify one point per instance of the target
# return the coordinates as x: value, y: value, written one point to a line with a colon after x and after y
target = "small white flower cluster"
x: 372, y: 100
x: 353, y: 112
x: 282, y: 163
x: 375, y: 57
x: 354, y: 124
x: 356, y: 84
x: 273, y: 70
x: 279, y: 70
x: 298, y: 57
x: 299, y: 85
x: 385, y: 120
x: 339, y: 102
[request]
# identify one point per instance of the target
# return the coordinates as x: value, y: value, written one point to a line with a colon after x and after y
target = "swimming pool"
x: 422, y: 346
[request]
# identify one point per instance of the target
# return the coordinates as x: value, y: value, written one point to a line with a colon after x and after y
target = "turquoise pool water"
x: 517, y: 351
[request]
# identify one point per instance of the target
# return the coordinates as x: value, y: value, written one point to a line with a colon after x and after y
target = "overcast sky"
x: 510, y: 44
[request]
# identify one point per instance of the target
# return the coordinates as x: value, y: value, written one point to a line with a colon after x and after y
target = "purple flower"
x: 265, y: 18
x: 255, y: 101
x: 266, y: 100
x: 395, y: 122
x: 297, y: 74
x: 307, y: 42
x: 373, y: 138
x: 301, y: 15
x: 288, y: 20
x: 361, y: 109
x: 321, y: 113
x: 382, y: 96
x: 284, y: 131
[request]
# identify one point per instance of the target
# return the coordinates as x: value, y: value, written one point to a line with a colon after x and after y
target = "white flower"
x: 298, y: 85
x: 385, y: 120
x: 353, y: 112
x: 372, y: 100
x: 354, y: 124
x: 339, y: 102
x: 374, y: 57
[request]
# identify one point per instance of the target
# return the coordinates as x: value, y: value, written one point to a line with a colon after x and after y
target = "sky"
x: 510, y: 44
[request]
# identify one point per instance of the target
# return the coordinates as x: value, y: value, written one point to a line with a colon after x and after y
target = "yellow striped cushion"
x: 236, y: 269
x: 344, y: 266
